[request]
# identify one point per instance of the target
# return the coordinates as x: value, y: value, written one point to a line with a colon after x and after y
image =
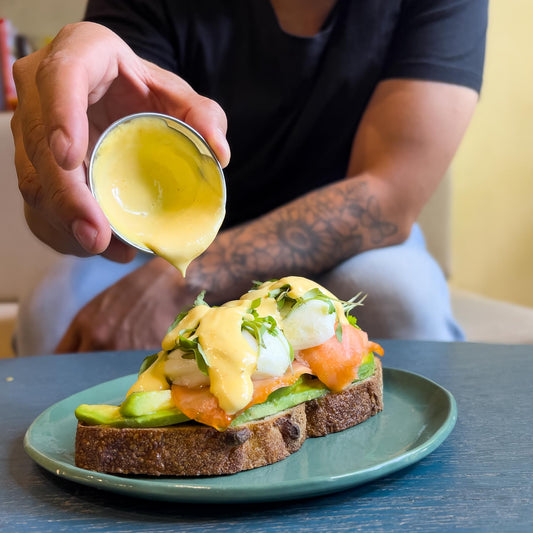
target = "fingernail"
x: 60, y: 145
x: 222, y: 148
x: 85, y: 234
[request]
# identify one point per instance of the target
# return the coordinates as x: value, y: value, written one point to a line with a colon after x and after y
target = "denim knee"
x: 407, y: 293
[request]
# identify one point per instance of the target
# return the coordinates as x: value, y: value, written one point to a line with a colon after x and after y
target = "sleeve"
x: 440, y: 40
x: 145, y: 25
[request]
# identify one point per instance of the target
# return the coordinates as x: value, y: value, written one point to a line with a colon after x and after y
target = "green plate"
x: 418, y: 416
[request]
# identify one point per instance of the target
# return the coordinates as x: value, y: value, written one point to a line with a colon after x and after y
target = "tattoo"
x: 306, y: 236
x: 371, y: 219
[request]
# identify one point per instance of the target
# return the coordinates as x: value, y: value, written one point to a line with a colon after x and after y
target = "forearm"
x: 401, y: 151
x: 404, y: 144
x: 305, y: 237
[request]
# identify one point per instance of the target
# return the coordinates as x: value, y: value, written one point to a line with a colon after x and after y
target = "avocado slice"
x: 110, y: 415
x: 305, y: 389
x: 367, y: 367
x: 146, y: 402
x: 107, y: 415
x: 285, y: 398
x: 165, y: 417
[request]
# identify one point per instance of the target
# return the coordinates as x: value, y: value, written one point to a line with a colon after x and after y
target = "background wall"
x: 492, y: 230
x: 41, y: 19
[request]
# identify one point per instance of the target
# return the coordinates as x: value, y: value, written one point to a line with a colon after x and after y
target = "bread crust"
x: 338, y: 411
x: 192, y: 449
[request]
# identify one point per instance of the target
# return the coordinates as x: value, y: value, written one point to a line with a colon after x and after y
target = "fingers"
x: 60, y: 209
x: 77, y: 340
x: 72, y: 72
x: 70, y: 342
x: 201, y: 113
x: 52, y: 118
x: 119, y: 252
x: 50, y: 130
x: 64, y: 109
x: 207, y: 117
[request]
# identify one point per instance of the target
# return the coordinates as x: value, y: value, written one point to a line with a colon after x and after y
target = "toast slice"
x: 192, y: 449
x: 341, y: 410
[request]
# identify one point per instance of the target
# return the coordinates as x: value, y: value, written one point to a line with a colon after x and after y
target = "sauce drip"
x: 160, y: 191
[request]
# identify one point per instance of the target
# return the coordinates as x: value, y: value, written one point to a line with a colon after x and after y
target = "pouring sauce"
x: 160, y: 187
x: 230, y: 358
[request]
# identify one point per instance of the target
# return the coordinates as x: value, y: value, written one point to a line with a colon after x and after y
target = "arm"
x: 404, y: 145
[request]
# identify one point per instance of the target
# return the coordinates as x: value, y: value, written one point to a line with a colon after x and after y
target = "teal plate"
x: 418, y: 416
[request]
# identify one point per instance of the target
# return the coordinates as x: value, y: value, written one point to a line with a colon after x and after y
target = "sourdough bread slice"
x: 192, y: 449
x: 338, y: 411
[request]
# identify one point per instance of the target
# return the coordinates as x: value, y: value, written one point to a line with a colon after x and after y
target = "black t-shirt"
x: 294, y: 103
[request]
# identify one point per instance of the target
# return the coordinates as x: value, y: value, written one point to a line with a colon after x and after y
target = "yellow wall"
x: 492, y: 231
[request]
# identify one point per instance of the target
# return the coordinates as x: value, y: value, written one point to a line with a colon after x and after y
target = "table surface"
x: 479, y: 479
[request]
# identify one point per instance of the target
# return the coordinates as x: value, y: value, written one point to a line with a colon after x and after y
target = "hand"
x: 69, y: 92
x: 134, y: 313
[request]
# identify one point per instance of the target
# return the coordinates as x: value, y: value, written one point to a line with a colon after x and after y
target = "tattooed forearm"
x: 305, y: 237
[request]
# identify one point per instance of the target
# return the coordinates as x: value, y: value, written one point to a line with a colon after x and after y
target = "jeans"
x: 407, y: 295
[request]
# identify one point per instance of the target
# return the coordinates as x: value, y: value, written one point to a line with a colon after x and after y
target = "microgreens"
x: 258, y: 326
x: 286, y: 304
x: 347, y: 306
x: 148, y: 361
x: 355, y: 301
x: 283, y: 300
x: 315, y: 294
x: 198, y: 301
x: 192, y: 349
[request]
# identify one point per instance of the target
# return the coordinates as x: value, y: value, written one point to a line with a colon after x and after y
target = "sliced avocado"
x: 281, y: 399
x: 110, y: 415
x: 93, y: 415
x: 165, y: 417
x: 146, y: 402
x: 303, y: 390
x: 367, y: 367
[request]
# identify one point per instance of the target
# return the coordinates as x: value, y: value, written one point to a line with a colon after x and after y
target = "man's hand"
x: 134, y: 313
x: 69, y: 92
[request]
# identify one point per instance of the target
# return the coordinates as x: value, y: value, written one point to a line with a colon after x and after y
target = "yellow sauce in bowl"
x: 160, y: 186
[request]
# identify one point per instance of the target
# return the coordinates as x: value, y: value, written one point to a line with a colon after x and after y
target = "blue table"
x: 479, y: 479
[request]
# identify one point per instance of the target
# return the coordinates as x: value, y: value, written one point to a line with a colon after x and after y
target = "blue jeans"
x: 407, y: 295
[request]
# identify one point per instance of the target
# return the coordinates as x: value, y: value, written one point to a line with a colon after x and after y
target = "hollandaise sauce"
x: 230, y: 359
x: 298, y: 287
x: 160, y: 186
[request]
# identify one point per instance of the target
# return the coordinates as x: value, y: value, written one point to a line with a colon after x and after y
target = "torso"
x: 302, y: 18
x: 295, y: 76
